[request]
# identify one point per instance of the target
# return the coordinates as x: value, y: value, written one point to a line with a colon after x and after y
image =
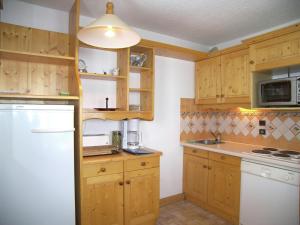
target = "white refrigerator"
x: 37, y: 165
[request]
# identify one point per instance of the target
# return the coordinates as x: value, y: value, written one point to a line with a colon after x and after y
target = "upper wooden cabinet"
x: 208, y: 81
x: 223, y: 79
x: 235, y: 77
x: 277, y: 52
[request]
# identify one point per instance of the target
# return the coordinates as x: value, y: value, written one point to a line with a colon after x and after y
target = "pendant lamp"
x: 109, y: 31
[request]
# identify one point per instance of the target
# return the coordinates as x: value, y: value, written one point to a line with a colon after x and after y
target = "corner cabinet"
x: 223, y: 79
x: 212, y: 181
x: 120, y: 190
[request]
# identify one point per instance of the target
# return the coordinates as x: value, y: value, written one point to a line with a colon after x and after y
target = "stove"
x: 286, y: 158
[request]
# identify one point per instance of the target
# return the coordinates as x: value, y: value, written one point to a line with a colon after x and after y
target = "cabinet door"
x: 235, y: 77
x: 277, y: 52
x: 224, y: 188
x: 195, y: 177
x: 103, y: 200
x: 141, y: 197
x: 208, y: 81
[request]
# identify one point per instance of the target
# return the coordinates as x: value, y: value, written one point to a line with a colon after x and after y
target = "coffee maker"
x: 131, y: 136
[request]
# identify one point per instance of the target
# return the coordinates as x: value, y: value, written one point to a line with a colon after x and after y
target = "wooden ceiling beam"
x: 173, y: 51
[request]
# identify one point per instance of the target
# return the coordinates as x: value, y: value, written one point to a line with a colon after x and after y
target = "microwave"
x: 283, y: 92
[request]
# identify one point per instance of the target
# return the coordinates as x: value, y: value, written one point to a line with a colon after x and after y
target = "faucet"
x: 217, y: 135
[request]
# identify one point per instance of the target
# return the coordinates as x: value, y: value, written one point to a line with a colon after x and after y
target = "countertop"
x: 243, y: 151
x: 119, y: 157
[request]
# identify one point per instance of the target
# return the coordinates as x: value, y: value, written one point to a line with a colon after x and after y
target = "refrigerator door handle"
x: 51, y: 130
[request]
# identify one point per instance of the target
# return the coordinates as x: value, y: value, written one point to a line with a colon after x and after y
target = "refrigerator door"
x: 37, y: 165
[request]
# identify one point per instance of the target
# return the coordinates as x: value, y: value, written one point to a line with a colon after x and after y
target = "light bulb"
x: 110, y: 33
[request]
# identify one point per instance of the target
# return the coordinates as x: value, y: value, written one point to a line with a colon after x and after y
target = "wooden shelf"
x: 89, y: 114
x: 37, y: 97
x: 138, y: 69
x: 139, y: 90
x: 97, y: 76
x: 29, y: 56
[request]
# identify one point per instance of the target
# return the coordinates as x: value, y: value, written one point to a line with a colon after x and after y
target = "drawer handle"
x: 204, y: 166
x: 194, y: 151
x: 121, y: 183
x: 102, y: 170
x: 128, y: 182
x: 209, y: 167
x: 143, y: 163
x: 251, y: 62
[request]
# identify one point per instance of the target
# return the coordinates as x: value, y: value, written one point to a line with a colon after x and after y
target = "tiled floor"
x: 186, y: 213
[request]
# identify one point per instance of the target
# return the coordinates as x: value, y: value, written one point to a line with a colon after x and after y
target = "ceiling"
x: 207, y: 22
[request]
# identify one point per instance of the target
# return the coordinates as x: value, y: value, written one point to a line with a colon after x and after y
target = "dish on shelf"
x: 106, y: 109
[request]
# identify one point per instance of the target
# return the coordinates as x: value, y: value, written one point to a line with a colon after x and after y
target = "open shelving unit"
x: 123, y: 92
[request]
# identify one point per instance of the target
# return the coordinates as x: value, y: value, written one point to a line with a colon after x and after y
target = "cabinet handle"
x: 121, y: 183
x: 128, y: 182
x: 194, y: 151
x: 204, y: 166
x: 222, y: 96
x: 217, y: 96
x: 143, y: 163
x: 102, y: 170
x: 209, y: 168
x: 251, y: 62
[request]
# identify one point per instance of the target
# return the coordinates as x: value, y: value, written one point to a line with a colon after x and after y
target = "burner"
x: 270, y: 149
x: 261, y: 151
x: 281, y: 155
x: 290, y: 152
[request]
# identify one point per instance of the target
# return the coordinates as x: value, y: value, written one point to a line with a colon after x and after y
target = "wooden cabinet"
x: 224, y: 188
x: 123, y: 192
x: 208, y: 81
x: 212, y: 180
x: 235, y: 75
x: 277, y: 52
x: 224, y: 79
x: 103, y: 200
x: 195, y: 177
x: 141, y: 196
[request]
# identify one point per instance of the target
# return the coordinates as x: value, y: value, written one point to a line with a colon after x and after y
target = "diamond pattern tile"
x: 238, y: 124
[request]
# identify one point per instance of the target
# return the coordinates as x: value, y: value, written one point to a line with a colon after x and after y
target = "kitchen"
x: 202, y: 110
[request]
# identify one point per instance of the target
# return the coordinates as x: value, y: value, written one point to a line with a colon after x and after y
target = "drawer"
x: 142, y: 163
x: 228, y: 159
x: 196, y: 152
x: 100, y: 169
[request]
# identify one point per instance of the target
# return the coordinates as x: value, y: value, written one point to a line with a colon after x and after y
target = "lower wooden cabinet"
x: 121, y: 193
x: 142, y: 196
x: 212, y: 180
x: 103, y: 200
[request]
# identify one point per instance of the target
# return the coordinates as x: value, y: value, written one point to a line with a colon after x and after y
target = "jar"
x: 117, y: 139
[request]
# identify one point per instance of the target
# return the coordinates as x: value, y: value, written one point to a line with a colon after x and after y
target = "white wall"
x: 174, y: 79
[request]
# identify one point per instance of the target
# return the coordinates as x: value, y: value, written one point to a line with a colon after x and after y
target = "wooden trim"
x: 272, y: 34
x: 289, y: 61
x: 38, y: 97
x: 173, y: 51
x: 171, y: 199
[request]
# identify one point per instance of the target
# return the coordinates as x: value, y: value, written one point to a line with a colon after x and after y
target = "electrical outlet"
x: 262, y: 131
x: 262, y: 123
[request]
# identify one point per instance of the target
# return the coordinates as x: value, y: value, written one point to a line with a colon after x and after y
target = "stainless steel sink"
x: 206, y: 142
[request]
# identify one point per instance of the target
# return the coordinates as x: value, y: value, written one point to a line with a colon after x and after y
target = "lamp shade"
x: 109, y: 31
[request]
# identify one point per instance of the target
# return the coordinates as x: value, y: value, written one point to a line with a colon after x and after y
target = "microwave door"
x: 281, y: 92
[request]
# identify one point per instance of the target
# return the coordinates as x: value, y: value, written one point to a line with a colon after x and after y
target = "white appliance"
x: 37, y: 165
x: 269, y: 194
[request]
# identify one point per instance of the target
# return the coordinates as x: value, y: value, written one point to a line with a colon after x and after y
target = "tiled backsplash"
x: 282, y: 128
